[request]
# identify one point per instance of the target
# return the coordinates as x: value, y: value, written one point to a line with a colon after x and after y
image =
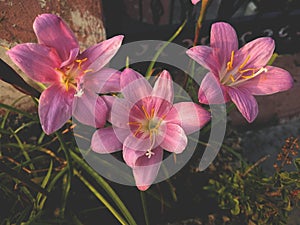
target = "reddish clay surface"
x: 16, y: 17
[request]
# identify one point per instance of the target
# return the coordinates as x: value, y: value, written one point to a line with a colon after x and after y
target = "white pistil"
x: 149, y: 153
x: 79, y: 93
x: 262, y: 70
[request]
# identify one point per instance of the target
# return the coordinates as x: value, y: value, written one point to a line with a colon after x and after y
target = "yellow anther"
x: 230, y: 63
x: 232, y: 78
x: 245, y: 62
x: 86, y: 71
x: 140, y: 125
x: 152, y: 113
x: 67, y: 84
x: 146, y: 113
x: 247, y: 70
x: 80, y: 61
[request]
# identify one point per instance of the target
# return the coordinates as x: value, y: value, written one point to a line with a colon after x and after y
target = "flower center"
x: 149, y: 125
x: 70, y: 74
x: 234, y: 75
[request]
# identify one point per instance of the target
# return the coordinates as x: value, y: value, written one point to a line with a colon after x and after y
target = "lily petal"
x: 259, y: 50
x: 161, y: 106
x: 37, y: 61
x: 99, y: 55
x: 105, y: 140
x: 109, y: 101
x: 90, y: 109
x: 120, y: 109
x: 105, y: 80
x: 211, y: 91
x: 204, y: 56
x: 52, y: 31
x: 273, y: 81
x: 223, y: 40
x: 173, y: 138
x: 195, y: 1
x: 55, y: 107
x: 192, y: 117
x: 134, y: 148
x: 134, y: 86
x: 146, y: 169
x: 72, y: 57
x: 163, y: 87
x: 245, y: 103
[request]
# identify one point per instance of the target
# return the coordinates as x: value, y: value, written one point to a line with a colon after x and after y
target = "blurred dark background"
x: 158, y: 19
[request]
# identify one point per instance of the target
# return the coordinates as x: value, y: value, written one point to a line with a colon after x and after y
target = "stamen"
x: 247, y: 70
x: 244, y: 63
x: 140, y: 125
x: 67, y: 84
x: 262, y: 70
x: 146, y: 113
x: 80, y: 61
x: 232, y: 78
x: 149, y: 153
x: 152, y: 113
x: 86, y: 71
x: 230, y: 63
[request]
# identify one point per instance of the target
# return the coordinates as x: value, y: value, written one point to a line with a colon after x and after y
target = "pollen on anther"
x: 230, y: 63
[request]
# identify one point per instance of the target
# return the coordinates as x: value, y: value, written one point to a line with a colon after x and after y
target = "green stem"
x: 101, y: 198
x: 143, y: 198
x: 227, y: 148
x: 200, y: 20
x: 21, y: 145
x: 67, y: 181
x: 157, y: 54
x: 208, y: 127
x: 18, y: 111
x: 105, y: 186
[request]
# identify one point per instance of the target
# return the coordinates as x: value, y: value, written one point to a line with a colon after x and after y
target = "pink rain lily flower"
x: 145, y: 122
x: 73, y: 78
x: 195, y: 1
x: 239, y: 73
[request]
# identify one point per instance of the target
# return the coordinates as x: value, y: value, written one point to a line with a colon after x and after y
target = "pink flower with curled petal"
x: 239, y: 73
x: 71, y: 75
x: 145, y: 122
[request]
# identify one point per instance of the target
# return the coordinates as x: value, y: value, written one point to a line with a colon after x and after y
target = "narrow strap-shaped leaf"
x: 105, y: 186
x: 10, y: 76
x: 26, y: 181
x: 100, y: 197
x: 160, y: 50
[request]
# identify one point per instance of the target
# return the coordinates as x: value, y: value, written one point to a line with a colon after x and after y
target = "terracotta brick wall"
x: 16, y: 19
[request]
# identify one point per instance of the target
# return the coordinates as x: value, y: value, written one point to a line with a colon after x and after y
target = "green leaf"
x: 160, y: 50
x: 297, y: 163
x: 236, y: 210
x: 40, y: 204
x: 271, y: 61
x: 100, y: 197
x: 33, y: 117
x: 105, y: 186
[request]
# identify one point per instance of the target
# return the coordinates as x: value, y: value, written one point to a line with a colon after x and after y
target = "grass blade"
x: 106, y: 187
x: 101, y: 198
